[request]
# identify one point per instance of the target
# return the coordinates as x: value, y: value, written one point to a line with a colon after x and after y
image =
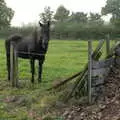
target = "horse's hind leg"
x: 40, y: 71
x: 32, y: 62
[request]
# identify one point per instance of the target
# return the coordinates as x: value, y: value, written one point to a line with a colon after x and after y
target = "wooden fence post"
x: 90, y: 71
x: 108, y: 45
x: 16, y: 67
x: 13, y: 65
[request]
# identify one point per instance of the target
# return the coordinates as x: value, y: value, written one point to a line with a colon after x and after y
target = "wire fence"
x: 61, y: 61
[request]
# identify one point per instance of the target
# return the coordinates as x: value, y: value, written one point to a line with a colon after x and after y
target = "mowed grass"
x: 63, y: 59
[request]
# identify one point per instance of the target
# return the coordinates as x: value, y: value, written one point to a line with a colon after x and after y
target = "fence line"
x: 28, y: 53
x: 99, y: 68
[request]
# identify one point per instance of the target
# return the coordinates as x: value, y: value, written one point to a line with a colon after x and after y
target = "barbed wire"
x: 38, y: 54
x: 43, y: 54
x: 31, y: 53
x: 51, y: 54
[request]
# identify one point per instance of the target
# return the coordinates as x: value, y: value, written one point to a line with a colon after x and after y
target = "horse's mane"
x: 35, y: 36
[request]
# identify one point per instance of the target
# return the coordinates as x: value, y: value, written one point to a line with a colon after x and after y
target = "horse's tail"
x: 16, y: 39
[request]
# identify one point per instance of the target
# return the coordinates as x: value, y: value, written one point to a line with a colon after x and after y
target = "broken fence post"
x: 108, y: 45
x: 90, y: 71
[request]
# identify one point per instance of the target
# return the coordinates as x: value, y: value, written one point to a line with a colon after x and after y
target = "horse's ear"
x: 40, y: 24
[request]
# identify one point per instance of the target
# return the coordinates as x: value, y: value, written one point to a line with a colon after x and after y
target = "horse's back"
x: 14, y: 38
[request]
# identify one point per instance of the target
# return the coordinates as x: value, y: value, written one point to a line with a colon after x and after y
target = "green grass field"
x: 64, y: 58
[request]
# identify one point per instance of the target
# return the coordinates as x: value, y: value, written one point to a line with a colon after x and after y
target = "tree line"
x: 71, y: 25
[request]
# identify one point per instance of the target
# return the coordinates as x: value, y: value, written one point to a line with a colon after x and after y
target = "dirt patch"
x: 107, y: 106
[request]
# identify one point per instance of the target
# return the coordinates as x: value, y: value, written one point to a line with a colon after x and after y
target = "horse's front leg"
x: 40, y: 71
x: 32, y: 62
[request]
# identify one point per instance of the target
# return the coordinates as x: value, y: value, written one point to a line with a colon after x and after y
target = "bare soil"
x: 107, y: 106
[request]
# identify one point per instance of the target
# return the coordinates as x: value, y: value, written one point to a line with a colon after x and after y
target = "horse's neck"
x: 35, y: 36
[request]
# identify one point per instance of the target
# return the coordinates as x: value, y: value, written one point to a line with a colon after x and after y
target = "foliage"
x: 79, y: 17
x: 6, y: 14
x: 70, y: 30
x: 84, y: 31
x: 112, y: 7
x: 95, y: 19
x: 61, y: 14
x: 77, y: 25
x: 47, y: 15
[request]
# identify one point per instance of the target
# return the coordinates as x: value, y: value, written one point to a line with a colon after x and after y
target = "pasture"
x: 63, y: 59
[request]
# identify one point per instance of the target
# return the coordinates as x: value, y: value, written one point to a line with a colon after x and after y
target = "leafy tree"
x: 95, y: 19
x: 79, y: 17
x: 112, y: 7
x: 61, y: 14
x: 6, y: 14
x: 47, y: 15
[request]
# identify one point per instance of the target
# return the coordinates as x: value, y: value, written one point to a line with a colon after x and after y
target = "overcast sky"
x: 27, y: 11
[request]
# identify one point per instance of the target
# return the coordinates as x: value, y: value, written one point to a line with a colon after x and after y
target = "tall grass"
x: 63, y: 59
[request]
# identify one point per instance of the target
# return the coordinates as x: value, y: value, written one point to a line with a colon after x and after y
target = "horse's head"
x: 44, y: 34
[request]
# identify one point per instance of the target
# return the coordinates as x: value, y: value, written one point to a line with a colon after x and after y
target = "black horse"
x: 32, y: 47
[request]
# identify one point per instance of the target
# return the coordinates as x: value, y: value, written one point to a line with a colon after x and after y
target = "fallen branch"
x: 95, y: 56
x: 64, y: 81
x: 80, y: 81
